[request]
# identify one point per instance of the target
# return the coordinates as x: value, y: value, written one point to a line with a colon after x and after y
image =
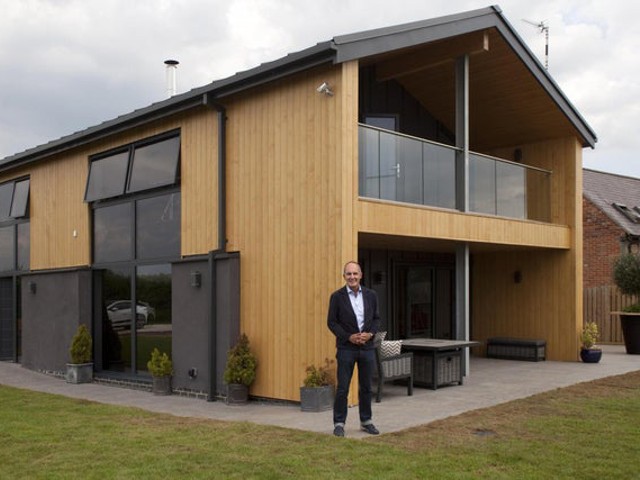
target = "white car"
x: 119, y: 313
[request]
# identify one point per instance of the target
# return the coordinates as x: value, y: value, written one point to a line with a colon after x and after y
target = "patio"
x: 490, y: 382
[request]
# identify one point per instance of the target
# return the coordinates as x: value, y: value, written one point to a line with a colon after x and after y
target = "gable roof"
x: 339, y: 49
x: 604, y: 189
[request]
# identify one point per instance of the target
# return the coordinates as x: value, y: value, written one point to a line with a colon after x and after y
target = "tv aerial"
x: 544, y: 28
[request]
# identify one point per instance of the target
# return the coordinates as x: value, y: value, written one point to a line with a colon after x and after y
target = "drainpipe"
x: 222, y: 240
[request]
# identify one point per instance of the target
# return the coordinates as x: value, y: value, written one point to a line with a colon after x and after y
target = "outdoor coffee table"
x: 436, y: 362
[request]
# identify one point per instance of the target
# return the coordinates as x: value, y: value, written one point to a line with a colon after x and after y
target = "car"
x: 119, y: 313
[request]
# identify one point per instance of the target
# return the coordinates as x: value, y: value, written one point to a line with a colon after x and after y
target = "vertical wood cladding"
x: 57, y: 207
x: 291, y: 158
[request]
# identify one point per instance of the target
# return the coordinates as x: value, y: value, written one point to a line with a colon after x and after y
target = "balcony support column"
x: 462, y: 201
x: 462, y: 133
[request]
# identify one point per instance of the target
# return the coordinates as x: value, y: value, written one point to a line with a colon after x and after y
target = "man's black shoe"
x: 370, y: 428
x: 338, y: 431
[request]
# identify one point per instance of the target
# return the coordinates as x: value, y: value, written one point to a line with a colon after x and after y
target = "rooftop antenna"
x: 544, y: 28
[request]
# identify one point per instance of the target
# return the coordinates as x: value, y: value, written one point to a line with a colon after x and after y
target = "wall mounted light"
x: 193, y: 373
x: 196, y: 279
x: 32, y: 287
x: 325, y: 88
x: 517, y: 276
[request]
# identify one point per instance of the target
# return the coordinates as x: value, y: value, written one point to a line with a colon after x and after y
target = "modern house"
x: 440, y: 154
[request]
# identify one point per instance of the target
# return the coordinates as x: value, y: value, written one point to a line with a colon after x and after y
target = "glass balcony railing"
x: 413, y: 170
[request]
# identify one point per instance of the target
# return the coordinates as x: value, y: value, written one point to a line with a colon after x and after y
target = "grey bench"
x: 533, y: 350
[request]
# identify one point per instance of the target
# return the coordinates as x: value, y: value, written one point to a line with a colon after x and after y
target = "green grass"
x: 587, y: 431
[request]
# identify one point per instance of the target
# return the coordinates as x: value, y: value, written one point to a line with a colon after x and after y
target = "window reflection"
x: 155, y: 165
x: 116, y: 324
x: 112, y: 233
x: 107, y: 177
x: 158, y: 226
x: 7, y: 248
x: 6, y: 192
x: 24, y: 246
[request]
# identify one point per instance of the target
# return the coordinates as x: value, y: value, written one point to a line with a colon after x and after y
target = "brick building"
x: 611, y: 222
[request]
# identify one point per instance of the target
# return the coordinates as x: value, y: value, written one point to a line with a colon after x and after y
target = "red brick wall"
x: 601, y: 245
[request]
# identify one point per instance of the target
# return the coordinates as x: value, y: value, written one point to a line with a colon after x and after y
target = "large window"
x: 140, y: 166
x: 14, y: 226
x: 135, y: 237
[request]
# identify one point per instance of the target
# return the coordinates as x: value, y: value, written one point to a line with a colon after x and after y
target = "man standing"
x: 354, y: 320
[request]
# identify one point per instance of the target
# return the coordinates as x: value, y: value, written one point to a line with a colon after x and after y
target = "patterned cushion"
x: 390, y: 347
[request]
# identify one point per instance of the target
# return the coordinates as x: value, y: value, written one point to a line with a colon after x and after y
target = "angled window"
x: 19, y: 206
x: 6, y: 193
x: 155, y: 165
x: 134, y: 168
x: 107, y: 177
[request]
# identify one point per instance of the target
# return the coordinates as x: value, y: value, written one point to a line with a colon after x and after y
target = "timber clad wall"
x: 290, y: 166
x: 57, y: 194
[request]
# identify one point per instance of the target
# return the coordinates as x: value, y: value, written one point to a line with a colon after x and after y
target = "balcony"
x: 413, y: 170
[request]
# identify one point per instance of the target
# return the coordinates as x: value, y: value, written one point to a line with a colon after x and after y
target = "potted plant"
x: 240, y: 372
x: 80, y: 369
x: 590, y: 352
x: 316, y: 394
x: 626, y: 276
x: 160, y: 367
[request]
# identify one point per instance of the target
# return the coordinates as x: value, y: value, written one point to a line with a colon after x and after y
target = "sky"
x: 71, y: 64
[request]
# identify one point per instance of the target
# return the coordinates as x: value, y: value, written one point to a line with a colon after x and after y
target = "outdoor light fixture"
x: 196, y: 279
x: 32, y: 287
x: 517, y: 276
x: 325, y: 88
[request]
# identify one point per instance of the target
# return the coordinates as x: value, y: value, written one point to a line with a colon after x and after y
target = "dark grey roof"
x: 604, y: 189
x: 340, y: 49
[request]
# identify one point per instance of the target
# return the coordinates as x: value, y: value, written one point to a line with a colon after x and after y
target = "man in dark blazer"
x: 354, y: 320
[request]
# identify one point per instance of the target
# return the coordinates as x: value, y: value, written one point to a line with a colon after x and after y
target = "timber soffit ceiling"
x: 506, y: 82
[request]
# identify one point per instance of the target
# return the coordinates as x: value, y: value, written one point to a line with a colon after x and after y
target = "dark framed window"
x: 112, y: 233
x: 24, y: 246
x: 7, y: 248
x: 158, y: 227
x: 107, y: 177
x: 155, y: 165
x: 6, y: 194
x: 141, y: 166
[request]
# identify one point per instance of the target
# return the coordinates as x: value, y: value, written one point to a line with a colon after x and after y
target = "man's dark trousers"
x: 347, y: 359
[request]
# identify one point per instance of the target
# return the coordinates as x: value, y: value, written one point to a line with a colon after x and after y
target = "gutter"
x: 222, y: 241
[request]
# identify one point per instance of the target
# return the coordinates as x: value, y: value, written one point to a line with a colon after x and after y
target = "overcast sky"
x: 71, y: 64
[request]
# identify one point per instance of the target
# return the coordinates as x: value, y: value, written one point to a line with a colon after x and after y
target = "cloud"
x: 71, y: 64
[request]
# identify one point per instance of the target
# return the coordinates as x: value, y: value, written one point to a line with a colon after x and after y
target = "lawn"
x: 586, y: 431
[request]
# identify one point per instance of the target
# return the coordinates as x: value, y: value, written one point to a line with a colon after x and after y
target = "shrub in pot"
x: 240, y: 371
x: 626, y: 276
x: 317, y: 392
x: 160, y: 367
x: 590, y: 352
x: 80, y: 368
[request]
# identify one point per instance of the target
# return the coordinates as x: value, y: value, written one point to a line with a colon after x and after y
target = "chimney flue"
x: 172, y: 68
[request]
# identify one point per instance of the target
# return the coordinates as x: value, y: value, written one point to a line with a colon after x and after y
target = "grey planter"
x: 79, y: 373
x: 161, y: 385
x: 316, y: 399
x: 237, y: 394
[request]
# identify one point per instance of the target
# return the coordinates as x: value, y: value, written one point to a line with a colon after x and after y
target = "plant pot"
x: 590, y: 355
x: 316, y: 399
x: 161, y: 385
x: 631, y: 332
x: 79, y: 373
x: 237, y: 394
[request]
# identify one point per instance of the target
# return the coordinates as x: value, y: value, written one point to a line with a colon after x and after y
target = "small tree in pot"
x: 317, y: 392
x: 589, y: 352
x: 626, y: 276
x: 160, y: 367
x: 240, y: 371
x: 80, y: 369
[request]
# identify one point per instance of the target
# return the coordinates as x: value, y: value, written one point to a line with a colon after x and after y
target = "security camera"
x: 324, y: 88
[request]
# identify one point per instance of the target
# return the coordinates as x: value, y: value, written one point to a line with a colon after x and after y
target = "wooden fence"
x: 599, y: 302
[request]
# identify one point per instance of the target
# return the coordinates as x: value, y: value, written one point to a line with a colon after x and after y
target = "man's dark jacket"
x: 342, y: 321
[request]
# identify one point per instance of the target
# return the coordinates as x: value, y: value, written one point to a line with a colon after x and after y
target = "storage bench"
x: 532, y: 350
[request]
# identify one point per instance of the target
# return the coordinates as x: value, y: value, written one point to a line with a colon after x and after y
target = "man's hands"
x: 360, y: 338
